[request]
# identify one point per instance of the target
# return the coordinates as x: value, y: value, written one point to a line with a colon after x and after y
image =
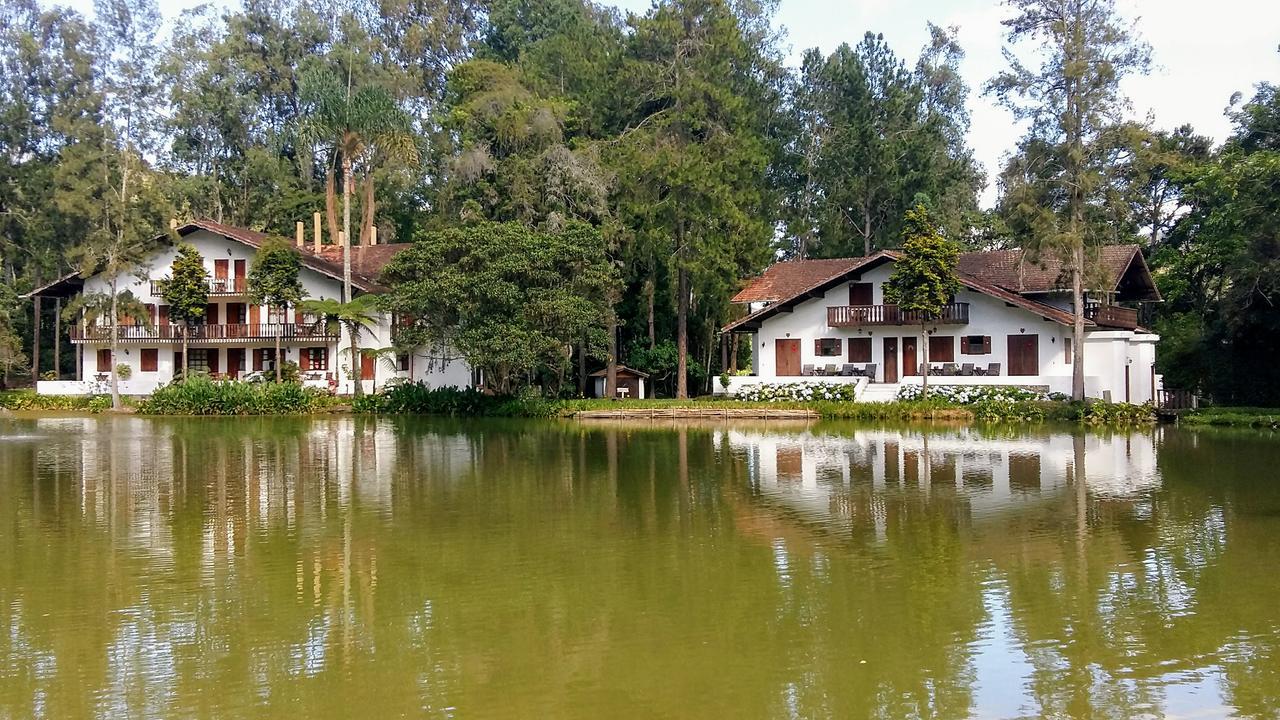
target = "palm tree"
x: 359, y: 126
x: 96, y: 306
x: 355, y: 317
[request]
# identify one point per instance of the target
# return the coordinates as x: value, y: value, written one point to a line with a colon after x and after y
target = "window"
x: 314, y: 358
x: 826, y: 347
x: 150, y: 359
x: 198, y: 360
x: 860, y: 350
x: 104, y: 360
x: 402, y: 362
x: 942, y: 349
x: 277, y: 316
x: 975, y: 345
x: 1066, y: 349
x: 264, y: 359
x: 860, y: 294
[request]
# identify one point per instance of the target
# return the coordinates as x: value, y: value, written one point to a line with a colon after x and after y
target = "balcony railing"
x: 217, y: 286
x: 1113, y: 316
x: 204, y: 333
x: 864, y: 315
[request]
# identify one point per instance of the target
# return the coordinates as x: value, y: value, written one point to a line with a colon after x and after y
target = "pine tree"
x: 273, y: 281
x: 187, y: 293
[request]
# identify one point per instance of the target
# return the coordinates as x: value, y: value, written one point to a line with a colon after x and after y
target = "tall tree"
x: 273, y: 281
x: 354, y: 318
x: 693, y: 161
x: 924, y: 279
x: 1070, y: 99
x: 187, y: 293
x: 358, y: 125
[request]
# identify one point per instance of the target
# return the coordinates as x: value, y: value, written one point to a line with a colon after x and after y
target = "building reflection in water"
x: 277, y: 567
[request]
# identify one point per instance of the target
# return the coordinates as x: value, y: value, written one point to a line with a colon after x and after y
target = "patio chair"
x: 806, y: 370
x: 966, y: 369
x: 848, y: 369
x: 832, y: 370
x: 993, y: 369
x: 950, y: 369
x: 870, y: 372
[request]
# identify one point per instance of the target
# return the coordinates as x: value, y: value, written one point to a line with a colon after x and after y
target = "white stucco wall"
x: 437, y: 371
x: 1107, y: 353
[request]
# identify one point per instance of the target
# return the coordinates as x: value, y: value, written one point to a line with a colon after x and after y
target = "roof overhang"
x: 68, y: 285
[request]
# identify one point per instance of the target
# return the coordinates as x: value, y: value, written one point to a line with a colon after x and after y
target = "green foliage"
x: 798, y: 392
x: 201, y: 396
x: 924, y: 279
x: 273, y: 276
x: 1233, y: 417
x: 186, y: 290
x: 508, y: 298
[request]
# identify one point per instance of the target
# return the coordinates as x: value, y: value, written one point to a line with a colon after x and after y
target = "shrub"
x: 970, y: 394
x: 798, y: 392
x: 199, y: 395
x: 123, y: 371
x: 29, y: 400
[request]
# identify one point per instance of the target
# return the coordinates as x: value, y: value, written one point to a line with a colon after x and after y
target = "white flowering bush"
x: 797, y: 392
x: 971, y: 394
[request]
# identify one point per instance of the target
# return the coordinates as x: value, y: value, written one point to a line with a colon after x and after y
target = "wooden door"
x: 240, y: 268
x: 910, y: 361
x: 891, y: 360
x: 235, y: 362
x: 860, y: 293
x: 787, y: 357
x: 367, y: 364
x: 1024, y: 354
x: 220, y: 269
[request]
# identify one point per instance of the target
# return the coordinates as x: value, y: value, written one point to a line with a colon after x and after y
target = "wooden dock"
x: 684, y: 413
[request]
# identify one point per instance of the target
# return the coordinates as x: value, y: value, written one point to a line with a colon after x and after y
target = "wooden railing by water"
x: 864, y: 315
x: 204, y: 333
x: 1173, y: 399
x: 1113, y: 316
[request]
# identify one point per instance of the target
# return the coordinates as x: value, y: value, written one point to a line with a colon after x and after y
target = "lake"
x: 351, y: 567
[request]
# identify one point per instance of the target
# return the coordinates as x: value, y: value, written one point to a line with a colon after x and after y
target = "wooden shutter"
x: 220, y: 269
x: 164, y: 315
x: 964, y: 345
x: 212, y: 354
x: 986, y: 344
x: 211, y: 314
x: 151, y: 312
x: 255, y: 315
x: 860, y: 293
x: 367, y: 365
x: 104, y: 360
x: 150, y: 359
x: 304, y: 359
x: 297, y: 317
x: 257, y: 360
x: 860, y: 350
x: 942, y: 349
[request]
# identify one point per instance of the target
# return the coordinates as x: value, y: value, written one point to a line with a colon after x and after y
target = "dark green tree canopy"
x: 187, y: 288
x: 273, y: 276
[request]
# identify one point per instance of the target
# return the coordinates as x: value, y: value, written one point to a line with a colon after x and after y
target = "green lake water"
x: 355, y: 568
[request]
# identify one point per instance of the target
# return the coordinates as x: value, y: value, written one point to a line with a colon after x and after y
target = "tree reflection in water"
x: 410, y: 567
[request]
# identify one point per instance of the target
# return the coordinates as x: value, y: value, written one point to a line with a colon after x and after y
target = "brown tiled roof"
x: 1019, y: 271
x: 366, y: 262
x: 787, y: 279
x: 976, y: 284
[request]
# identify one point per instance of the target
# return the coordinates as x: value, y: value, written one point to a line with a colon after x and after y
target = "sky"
x: 1203, y: 51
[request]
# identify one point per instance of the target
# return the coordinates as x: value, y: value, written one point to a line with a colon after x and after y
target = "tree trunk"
x: 331, y: 204
x: 115, y: 346
x: 582, y: 367
x: 1073, y: 124
x: 924, y: 365
x: 611, y: 366
x: 682, y: 334
x: 1077, y: 325
x: 57, y: 338
x: 277, y: 356
x: 366, y: 212
x: 650, y: 289
x: 186, y: 356
x: 356, y: 364
x: 348, y: 188
x: 35, y: 340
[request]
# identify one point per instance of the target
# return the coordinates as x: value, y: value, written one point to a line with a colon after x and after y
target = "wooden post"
x: 300, y: 233
x: 315, y: 220
x: 35, y: 342
x: 57, y: 337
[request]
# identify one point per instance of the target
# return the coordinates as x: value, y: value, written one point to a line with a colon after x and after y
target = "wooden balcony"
x: 1112, y: 316
x: 868, y: 315
x: 235, y: 333
x: 218, y: 287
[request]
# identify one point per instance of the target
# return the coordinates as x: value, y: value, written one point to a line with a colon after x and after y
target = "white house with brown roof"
x: 237, y: 339
x: 827, y: 321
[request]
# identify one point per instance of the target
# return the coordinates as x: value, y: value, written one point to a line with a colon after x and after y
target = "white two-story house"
x: 827, y: 321
x: 237, y: 338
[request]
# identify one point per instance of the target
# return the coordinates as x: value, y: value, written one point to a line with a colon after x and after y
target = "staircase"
x: 879, y: 392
